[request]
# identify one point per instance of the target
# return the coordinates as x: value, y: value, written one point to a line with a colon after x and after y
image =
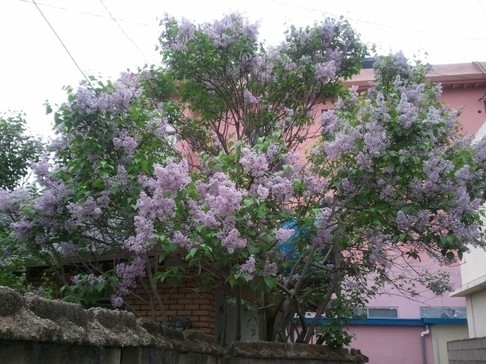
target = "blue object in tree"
x: 289, y: 247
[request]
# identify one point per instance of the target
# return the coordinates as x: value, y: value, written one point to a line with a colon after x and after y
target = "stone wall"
x: 467, y: 351
x: 38, y: 331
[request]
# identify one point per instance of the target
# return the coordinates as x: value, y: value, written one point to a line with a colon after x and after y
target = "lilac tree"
x: 238, y: 89
x: 86, y: 186
x: 404, y: 181
x: 389, y: 177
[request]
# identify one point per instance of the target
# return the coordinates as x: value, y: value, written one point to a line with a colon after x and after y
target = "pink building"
x: 412, y: 331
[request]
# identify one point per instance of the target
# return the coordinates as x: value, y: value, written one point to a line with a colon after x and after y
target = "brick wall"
x: 187, y: 300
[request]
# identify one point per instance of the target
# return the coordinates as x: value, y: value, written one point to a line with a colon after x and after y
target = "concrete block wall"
x: 467, y: 351
x: 39, y: 331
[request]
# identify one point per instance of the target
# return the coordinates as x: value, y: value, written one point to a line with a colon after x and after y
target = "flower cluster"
x: 127, y: 274
x: 231, y: 239
x: 248, y: 268
x: 125, y: 90
x: 254, y: 163
x: 125, y: 142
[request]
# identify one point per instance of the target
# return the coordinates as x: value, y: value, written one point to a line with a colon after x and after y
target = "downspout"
x: 422, y: 342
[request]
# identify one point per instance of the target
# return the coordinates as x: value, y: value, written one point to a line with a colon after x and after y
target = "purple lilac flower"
x: 330, y: 121
x: 387, y: 192
x: 180, y: 239
x: 84, y: 212
x: 375, y: 139
x: 255, y: 164
x: 269, y: 269
x: 348, y: 187
x: 51, y: 200
x: 128, y: 273
x: 282, y: 235
x: 326, y: 70
x: 42, y: 167
x: 435, y: 167
x: 314, y: 185
x: 287, y: 63
x: 76, y: 279
x: 343, y: 143
x: 88, y: 101
x: 125, y: 142
x: 170, y: 178
x: 408, y: 112
x: 221, y: 195
x: 207, y: 218
x: 85, y: 100
x: 143, y: 235
x: 186, y: 29
x: 280, y: 187
x: 464, y: 175
x: 249, y: 98
x: 230, y: 29
x: 249, y: 266
x: 262, y: 192
x: 10, y: 201
x: 402, y: 220
x: 117, y: 301
x: 232, y: 240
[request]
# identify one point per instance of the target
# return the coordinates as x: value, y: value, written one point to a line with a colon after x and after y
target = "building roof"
x: 398, y: 321
x: 451, y: 76
x: 470, y: 287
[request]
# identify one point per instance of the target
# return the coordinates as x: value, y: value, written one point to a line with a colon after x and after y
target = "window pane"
x: 382, y: 312
x: 443, y: 312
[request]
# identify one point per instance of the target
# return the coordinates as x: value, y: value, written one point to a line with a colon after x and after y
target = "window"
x: 377, y: 312
x: 443, y: 312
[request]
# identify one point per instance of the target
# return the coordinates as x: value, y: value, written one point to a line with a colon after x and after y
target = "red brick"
x: 184, y: 312
x: 201, y: 313
x: 177, y: 295
x: 204, y: 301
x: 207, y: 307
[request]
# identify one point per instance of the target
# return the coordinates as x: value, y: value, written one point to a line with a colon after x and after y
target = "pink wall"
x: 392, y: 344
x: 469, y: 101
x: 409, y: 307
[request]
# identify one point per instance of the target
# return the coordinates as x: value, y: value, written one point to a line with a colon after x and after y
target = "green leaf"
x: 191, y: 253
x: 271, y: 282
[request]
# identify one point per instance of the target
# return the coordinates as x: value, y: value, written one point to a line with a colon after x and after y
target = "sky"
x: 106, y: 37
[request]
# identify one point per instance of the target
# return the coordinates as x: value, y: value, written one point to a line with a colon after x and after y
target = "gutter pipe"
x: 422, y: 342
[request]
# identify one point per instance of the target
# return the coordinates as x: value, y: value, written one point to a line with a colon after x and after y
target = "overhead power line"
x: 423, y: 31
x: 123, y: 31
x: 62, y: 43
x: 87, y: 13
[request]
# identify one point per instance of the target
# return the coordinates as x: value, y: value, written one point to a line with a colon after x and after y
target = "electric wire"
x: 423, y: 31
x: 286, y: 3
x: 123, y: 31
x: 87, y: 13
x: 62, y: 43
x: 481, y: 6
